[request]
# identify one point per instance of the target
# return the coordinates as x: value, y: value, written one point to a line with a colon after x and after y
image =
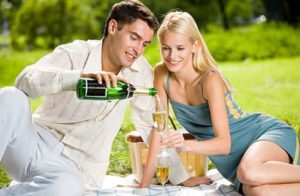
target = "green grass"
x: 4, y: 179
x: 12, y: 63
x: 269, y: 86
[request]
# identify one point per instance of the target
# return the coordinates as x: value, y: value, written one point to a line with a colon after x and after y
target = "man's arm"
x: 55, y: 72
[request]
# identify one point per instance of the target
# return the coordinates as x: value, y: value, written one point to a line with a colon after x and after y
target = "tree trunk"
x: 222, y: 6
x: 294, y: 12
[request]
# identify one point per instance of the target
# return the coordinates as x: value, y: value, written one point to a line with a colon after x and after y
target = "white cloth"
x: 31, y: 155
x: 111, y: 187
x: 86, y: 128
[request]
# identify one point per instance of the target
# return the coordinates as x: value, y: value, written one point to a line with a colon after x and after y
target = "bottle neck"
x: 141, y: 92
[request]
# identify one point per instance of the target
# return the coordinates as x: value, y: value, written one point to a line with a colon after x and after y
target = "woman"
x: 256, y: 152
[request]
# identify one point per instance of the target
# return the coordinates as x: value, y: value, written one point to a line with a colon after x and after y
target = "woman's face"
x: 176, y: 50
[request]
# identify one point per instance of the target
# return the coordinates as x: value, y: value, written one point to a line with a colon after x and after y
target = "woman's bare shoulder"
x: 213, y: 76
x: 214, y: 79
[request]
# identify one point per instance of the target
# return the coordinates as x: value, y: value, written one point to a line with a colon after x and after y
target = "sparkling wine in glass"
x: 162, y: 174
x: 160, y: 120
x: 162, y: 168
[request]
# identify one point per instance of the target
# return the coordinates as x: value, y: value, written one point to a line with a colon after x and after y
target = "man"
x: 64, y: 147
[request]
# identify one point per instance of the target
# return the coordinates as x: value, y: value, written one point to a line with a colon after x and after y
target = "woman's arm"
x: 154, y: 146
x: 149, y: 169
x: 214, y: 91
x: 178, y: 174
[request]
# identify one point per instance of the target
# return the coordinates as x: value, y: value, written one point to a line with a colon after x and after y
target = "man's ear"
x: 112, y: 26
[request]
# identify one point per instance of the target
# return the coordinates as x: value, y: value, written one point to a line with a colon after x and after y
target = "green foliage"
x: 239, y: 11
x: 203, y: 11
x: 255, y: 42
x: 4, y: 179
x: 47, y: 23
x: 119, y: 156
x: 152, y: 52
x: 8, y: 9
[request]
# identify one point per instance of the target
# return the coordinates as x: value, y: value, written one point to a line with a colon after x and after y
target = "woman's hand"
x: 136, y: 186
x: 197, y: 180
x: 173, y: 139
x: 107, y: 77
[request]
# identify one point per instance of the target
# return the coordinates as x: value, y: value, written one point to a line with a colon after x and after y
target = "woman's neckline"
x: 187, y: 105
x: 200, y: 105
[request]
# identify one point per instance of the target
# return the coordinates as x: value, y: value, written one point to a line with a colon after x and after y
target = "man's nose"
x: 139, y: 48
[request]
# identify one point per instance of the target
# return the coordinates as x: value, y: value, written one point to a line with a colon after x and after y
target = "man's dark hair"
x: 128, y: 11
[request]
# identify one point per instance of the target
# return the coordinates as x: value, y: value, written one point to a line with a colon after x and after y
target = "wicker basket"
x: 194, y: 164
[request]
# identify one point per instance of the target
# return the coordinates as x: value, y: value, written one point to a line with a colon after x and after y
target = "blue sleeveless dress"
x: 245, y: 129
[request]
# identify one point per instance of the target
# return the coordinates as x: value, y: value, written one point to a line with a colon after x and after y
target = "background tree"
x: 205, y: 12
x: 8, y: 9
x: 294, y: 12
x: 283, y: 10
x: 47, y: 23
x: 222, y: 6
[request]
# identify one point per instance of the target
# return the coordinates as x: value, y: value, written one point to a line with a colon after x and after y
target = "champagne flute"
x: 159, y: 115
x: 162, y: 168
x: 160, y: 120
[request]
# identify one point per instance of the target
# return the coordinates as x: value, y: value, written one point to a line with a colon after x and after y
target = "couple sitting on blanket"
x: 63, y: 149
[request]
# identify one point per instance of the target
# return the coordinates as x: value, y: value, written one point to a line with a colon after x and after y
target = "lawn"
x: 268, y: 86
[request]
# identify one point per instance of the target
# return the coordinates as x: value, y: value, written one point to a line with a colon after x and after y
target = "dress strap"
x: 168, y: 84
x: 168, y: 98
x: 203, y: 77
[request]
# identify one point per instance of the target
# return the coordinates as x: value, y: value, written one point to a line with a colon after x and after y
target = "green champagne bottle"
x: 91, y: 89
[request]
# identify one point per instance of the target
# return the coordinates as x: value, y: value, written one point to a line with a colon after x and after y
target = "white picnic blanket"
x: 219, y: 187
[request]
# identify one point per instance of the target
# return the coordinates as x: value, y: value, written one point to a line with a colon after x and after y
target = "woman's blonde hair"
x: 183, y: 23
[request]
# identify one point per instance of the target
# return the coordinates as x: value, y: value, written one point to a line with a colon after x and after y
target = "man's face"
x: 127, y: 44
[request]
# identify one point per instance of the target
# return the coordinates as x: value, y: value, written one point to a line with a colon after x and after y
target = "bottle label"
x: 92, y: 90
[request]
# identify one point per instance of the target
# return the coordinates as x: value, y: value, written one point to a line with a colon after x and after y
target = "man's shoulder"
x: 81, y: 45
x: 142, y: 63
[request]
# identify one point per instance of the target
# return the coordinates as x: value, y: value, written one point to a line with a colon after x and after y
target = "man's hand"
x: 104, y: 76
x: 196, y: 180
